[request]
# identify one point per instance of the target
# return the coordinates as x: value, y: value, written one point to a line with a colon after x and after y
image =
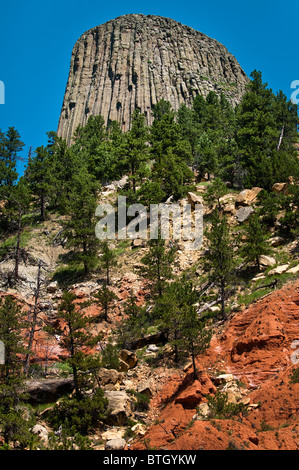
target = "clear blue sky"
x: 36, y: 41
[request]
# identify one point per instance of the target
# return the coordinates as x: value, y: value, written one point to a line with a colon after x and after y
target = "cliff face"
x: 134, y: 61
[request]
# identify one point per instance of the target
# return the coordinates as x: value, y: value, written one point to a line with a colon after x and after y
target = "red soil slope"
x: 255, y: 347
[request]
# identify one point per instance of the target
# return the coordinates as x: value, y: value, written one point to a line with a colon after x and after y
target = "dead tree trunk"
x: 34, y: 320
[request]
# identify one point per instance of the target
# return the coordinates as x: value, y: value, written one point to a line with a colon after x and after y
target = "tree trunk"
x: 258, y: 263
x: 42, y: 208
x: 193, y: 361
x: 107, y: 275
x: 222, y: 293
x: 34, y: 321
x: 17, y: 255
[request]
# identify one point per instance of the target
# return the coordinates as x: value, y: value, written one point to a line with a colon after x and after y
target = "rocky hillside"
x: 134, y: 61
x: 249, y: 362
x: 248, y: 367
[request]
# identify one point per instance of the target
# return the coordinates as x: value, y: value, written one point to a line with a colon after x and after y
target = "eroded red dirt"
x: 255, y: 346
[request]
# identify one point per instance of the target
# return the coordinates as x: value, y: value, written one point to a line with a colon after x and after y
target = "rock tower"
x: 134, y: 61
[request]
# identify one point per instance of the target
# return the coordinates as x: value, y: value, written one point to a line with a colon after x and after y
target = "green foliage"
x: 157, y: 265
x: 219, y: 261
x: 14, y: 427
x: 266, y: 129
x: 38, y: 175
x: 178, y: 316
x: 107, y: 259
x: 79, y: 415
x: 141, y: 402
x: 215, y: 191
x: 221, y: 408
x: 80, y: 227
x: 105, y: 297
x: 290, y: 221
x: 136, y: 322
x: 270, y: 203
x: 75, y: 338
x: 68, y: 440
x: 255, y: 244
x: 10, y: 147
x: 110, y: 356
x: 295, y: 376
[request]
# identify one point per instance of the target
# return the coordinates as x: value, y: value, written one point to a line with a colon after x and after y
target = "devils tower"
x: 134, y: 61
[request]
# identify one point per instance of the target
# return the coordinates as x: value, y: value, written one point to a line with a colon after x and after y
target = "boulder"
x: 138, y: 242
x: 41, y: 432
x: 129, y: 358
x: 276, y: 241
x: 109, y: 187
x: 194, y: 199
x: 203, y: 411
x: 279, y: 269
x: 52, y: 287
x: 119, y: 408
x: 280, y: 188
x: 146, y: 388
x: 247, y: 196
x: 48, y: 390
x: 244, y: 213
x: 152, y: 348
x: 155, y: 338
x: 293, y: 270
x: 267, y: 260
x: 139, y: 429
x: 115, y: 444
x: 109, y: 377
x: 223, y: 379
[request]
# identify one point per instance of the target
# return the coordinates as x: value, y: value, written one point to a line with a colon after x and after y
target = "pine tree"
x: 171, y: 152
x: 75, y: 338
x: 178, y: 316
x: 38, y: 174
x: 105, y: 297
x: 157, y: 265
x: 107, y: 260
x: 136, y: 149
x: 219, y: 260
x: 13, y: 426
x: 10, y: 147
x: 255, y: 244
x: 216, y: 190
x: 80, y: 228
x: 135, y: 323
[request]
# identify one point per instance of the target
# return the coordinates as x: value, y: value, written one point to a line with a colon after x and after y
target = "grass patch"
x: 68, y: 275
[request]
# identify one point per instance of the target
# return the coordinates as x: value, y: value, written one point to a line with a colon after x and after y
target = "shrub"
x: 295, y: 376
x: 79, y: 415
x: 221, y: 408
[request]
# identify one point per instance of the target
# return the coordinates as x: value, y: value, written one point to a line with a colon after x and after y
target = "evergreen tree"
x: 255, y: 244
x: 219, y: 260
x: 105, y: 297
x: 266, y: 130
x: 75, y: 338
x: 13, y: 426
x: 215, y: 192
x: 135, y: 323
x: 171, y: 152
x: 10, y: 147
x: 136, y: 149
x: 80, y: 228
x: 18, y: 207
x: 107, y: 260
x: 157, y: 265
x: 38, y: 174
x: 178, y: 316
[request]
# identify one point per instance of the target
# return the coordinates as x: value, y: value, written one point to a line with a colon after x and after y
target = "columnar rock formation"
x: 134, y: 61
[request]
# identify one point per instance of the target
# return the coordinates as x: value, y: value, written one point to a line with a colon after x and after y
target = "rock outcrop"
x: 134, y: 61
